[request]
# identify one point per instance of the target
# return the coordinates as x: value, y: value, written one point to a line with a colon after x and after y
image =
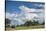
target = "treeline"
x: 27, y: 23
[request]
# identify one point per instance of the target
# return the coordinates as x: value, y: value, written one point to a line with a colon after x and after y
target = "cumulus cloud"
x: 39, y: 5
x: 9, y: 15
x: 19, y: 19
x: 15, y: 18
x: 26, y: 9
x: 24, y: 16
x: 30, y: 13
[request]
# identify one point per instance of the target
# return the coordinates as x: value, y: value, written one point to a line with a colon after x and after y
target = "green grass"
x: 24, y: 27
x: 29, y: 27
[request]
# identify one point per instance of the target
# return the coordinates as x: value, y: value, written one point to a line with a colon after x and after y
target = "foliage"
x: 7, y: 22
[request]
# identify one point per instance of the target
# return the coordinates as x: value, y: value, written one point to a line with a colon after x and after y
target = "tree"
x: 43, y: 23
x: 35, y: 23
x: 28, y: 23
x: 13, y: 26
x: 7, y: 22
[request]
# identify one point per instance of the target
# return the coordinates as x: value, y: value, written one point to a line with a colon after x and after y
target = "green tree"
x: 28, y: 23
x: 35, y: 23
x: 7, y: 22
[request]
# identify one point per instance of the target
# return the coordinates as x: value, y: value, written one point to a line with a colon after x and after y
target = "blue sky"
x: 12, y: 6
x: 28, y: 0
x: 20, y: 11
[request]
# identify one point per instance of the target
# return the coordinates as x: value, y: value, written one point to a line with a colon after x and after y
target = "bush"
x: 13, y: 26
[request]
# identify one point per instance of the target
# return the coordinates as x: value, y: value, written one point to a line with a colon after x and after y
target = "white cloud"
x: 39, y: 5
x: 19, y: 17
x: 30, y: 16
x: 24, y: 16
x: 15, y: 17
x: 9, y: 15
x: 26, y: 9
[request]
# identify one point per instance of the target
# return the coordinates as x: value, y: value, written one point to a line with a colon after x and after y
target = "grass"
x: 25, y: 27
x: 29, y: 27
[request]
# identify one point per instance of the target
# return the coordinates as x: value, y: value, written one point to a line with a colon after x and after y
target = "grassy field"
x: 25, y: 27
x: 29, y: 27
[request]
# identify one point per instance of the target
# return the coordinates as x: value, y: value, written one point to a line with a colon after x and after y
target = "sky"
x: 28, y: 0
x: 20, y: 11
